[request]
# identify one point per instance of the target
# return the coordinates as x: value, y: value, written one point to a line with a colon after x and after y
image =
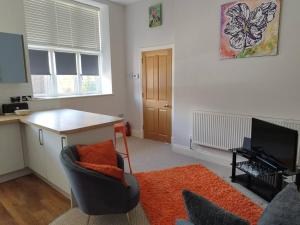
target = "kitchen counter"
x: 10, y: 119
x: 69, y: 121
x: 64, y: 121
x: 43, y: 135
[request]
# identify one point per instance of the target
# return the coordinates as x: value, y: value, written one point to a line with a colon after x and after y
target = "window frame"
x: 105, y: 66
x: 53, y: 90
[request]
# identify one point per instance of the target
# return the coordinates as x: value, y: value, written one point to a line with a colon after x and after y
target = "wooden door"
x: 157, y: 94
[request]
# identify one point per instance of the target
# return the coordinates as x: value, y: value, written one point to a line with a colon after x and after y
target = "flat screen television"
x: 275, y: 142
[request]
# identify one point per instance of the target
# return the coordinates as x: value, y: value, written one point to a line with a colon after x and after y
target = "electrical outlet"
x: 26, y: 98
x: 134, y: 76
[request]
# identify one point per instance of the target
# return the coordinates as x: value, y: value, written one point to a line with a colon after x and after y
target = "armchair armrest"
x: 120, y: 161
x: 183, y: 222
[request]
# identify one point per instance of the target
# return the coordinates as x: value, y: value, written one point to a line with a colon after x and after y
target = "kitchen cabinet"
x: 43, y: 149
x: 35, y: 150
x: 47, y: 133
x: 10, y: 148
x: 42, y: 137
x: 53, y: 145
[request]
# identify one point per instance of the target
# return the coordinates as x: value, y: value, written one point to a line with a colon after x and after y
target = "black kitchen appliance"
x: 11, y: 108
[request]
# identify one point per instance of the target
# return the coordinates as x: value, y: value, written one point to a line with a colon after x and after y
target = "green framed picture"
x: 155, y: 15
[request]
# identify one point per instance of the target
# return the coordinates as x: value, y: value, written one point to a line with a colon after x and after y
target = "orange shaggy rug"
x: 161, y: 194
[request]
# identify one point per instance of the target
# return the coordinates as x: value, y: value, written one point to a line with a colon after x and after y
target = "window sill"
x: 70, y: 97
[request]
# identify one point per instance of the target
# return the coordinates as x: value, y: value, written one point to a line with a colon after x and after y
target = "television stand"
x: 258, y: 174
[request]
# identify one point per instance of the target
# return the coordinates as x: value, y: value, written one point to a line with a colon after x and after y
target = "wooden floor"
x: 30, y: 201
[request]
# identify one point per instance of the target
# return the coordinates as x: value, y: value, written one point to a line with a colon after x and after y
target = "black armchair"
x: 95, y: 193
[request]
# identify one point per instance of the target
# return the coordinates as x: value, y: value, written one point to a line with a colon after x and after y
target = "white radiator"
x: 226, y: 131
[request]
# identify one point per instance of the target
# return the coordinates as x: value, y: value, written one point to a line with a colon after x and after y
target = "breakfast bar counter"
x: 46, y: 133
x: 69, y: 121
x: 63, y: 121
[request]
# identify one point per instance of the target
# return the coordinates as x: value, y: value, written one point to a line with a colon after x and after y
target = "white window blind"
x: 63, y: 23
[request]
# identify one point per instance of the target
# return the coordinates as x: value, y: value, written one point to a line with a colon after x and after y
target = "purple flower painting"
x: 249, y: 28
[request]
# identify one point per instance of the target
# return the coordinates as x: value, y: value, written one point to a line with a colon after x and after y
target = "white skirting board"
x: 204, y: 153
x: 15, y: 175
x: 137, y: 133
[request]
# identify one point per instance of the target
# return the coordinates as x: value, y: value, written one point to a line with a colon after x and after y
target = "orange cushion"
x: 107, y: 170
x: 101, y: 153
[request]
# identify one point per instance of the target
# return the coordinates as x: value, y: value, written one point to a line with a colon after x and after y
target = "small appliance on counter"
x: 22, y: 112
x: 9, y: 109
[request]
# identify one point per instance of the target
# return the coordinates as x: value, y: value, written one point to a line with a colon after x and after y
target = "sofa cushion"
x: 107, y: 170
x: 284, y: 209
x: 101, y: 153
x: 203, y: 212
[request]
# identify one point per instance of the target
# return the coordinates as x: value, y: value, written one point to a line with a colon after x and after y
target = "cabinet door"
x: 11, y: 154
x: 55, y: 172
x: 35, y: 150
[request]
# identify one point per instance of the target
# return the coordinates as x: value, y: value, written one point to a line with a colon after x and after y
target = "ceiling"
x: 125, y: 2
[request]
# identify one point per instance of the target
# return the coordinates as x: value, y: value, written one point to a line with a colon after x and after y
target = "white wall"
x: 12, y: 20
x: 266, y: 86
x: 140, y: 36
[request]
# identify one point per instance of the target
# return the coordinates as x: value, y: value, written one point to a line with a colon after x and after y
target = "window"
x: 66, y: 73
x: 89, y: 65
x: 73, y: 73
x: 39, y: 65
x: 65, y: 63
x: 89, y: 73
x: 65, y: 51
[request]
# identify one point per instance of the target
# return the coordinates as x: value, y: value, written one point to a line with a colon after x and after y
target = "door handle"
x: 167, y: 106
x: 41, y: 137
x: 63, y: 142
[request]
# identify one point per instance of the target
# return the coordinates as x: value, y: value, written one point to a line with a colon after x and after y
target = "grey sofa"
x: 203, y: 212
x: 95, y: 193
x: 284, y: 209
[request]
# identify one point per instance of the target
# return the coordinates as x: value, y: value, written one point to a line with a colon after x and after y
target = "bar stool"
x: 120, y: 128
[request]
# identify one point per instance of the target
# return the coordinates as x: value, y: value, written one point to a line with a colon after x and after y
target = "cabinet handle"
x: 41, y: 137
x: 63, y: 142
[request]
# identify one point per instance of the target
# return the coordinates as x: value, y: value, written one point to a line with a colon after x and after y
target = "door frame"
x: 156, y: 48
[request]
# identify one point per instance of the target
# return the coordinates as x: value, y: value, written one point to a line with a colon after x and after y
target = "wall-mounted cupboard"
x: 12, y: 58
